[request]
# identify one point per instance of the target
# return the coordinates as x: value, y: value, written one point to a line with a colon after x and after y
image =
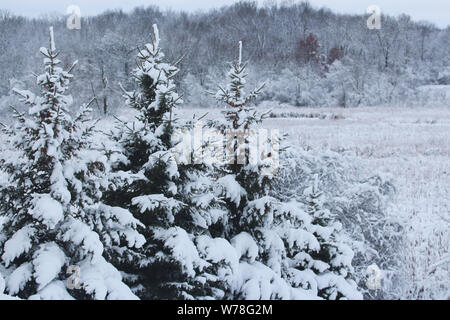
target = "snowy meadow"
x: 411, y: 146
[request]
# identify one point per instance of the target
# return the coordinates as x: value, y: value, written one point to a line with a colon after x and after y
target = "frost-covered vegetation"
x: 104, y: 209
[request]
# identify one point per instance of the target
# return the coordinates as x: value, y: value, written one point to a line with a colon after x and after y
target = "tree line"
x: 279, y: 38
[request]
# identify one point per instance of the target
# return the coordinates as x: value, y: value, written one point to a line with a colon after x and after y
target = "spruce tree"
x: 276, y: 241
x: 331, y: 262
x: 253, y: 215
x: 241, y: 181
x: 172, y: 200
x: 55, y: 230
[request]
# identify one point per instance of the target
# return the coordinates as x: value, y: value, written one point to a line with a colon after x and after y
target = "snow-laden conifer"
x: 55, y: 232
x: 331, y: 262
x: 262, y: 229
x: 173, y: 201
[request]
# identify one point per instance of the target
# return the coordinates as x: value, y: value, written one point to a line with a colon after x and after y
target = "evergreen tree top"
x: 53, y: 83
x: 49, y: 129
x: 315, y: 202
x: 234, y: 94
x: 241, y: 115
x: 156, y: 96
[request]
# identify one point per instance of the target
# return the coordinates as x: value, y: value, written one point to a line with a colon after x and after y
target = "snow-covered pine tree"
x: 273, y: 239
x: 241, y: 182
x: 332, y: 262
x: 245, y: 186
x: 55, y: 231
x: 173, y: 201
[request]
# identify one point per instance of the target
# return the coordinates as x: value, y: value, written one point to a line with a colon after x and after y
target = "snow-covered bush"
x: 426, y: 258
x: 296, y: 86
x: 358, y: 201
x: 345, y: 83
x: 433, y: 95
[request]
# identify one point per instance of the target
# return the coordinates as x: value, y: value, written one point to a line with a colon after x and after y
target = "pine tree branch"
x: 75, y: 63
x: 20, y: 93
x: 125, y: 124
x: 202, y: 117
x: 90, y: 102
x: 180, y: 59
x: 125, y: 91
x: 95, y: 96
x: 225, y: 93
x: 20, y: 115
x: 140, y: 53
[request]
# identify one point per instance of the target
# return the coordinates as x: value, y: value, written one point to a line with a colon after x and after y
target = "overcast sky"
x: 436, y: 11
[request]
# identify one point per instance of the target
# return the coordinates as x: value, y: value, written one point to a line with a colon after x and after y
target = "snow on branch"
x: 52, y: 40
x: 240, y: 53
x: 156, y: 35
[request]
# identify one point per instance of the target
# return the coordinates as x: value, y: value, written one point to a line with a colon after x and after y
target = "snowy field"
x: 409, y: 144
x: 413, y: 146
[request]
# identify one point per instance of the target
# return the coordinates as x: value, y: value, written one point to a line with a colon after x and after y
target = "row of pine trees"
x: 111, y: 215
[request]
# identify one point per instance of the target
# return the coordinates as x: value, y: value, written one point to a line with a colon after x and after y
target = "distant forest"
x: 309, y: 56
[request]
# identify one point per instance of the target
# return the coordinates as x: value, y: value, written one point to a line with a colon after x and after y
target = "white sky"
x: 436, y: 11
